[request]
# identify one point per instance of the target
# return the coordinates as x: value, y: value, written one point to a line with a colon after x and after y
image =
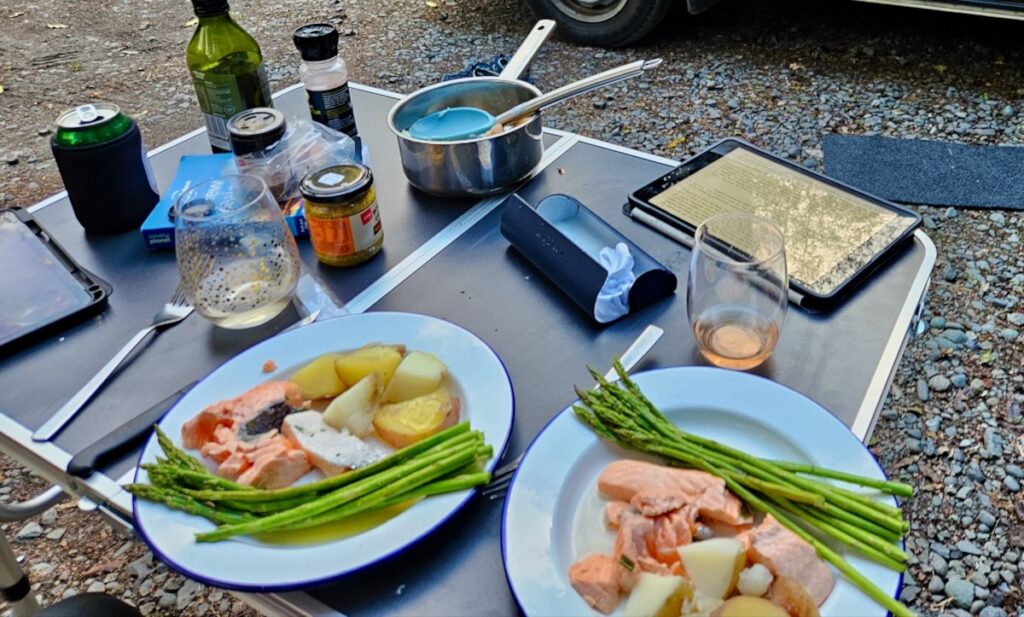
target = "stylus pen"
x: 686, y: 240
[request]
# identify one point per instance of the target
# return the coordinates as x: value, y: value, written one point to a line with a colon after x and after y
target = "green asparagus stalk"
x: 182, y: 502
x: 176, y: 455
x: 900, y: 489
x: 868, y: 544
x: 447, y: 485
x: 178, y: 477
x: 358, y: 496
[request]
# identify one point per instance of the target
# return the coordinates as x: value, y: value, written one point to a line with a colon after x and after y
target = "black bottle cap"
x: 316, y: 42
x: 210, y: 8
x: 255, y: 129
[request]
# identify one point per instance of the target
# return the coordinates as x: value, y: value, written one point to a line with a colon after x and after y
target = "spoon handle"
x: 528, y: 108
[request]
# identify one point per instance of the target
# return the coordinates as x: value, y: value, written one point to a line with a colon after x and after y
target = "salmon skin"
x: 240, y: 435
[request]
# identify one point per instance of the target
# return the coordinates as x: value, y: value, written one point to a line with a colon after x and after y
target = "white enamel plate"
x: 248, y: 564
x: 553, y: 514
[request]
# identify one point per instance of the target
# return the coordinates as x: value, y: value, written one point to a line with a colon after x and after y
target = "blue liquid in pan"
x: 451, y: 124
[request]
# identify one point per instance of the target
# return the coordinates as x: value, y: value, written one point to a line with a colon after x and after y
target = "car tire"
x: 605, y: 23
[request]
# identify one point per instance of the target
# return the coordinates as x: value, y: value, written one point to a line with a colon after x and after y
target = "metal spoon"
x: 456, y: 123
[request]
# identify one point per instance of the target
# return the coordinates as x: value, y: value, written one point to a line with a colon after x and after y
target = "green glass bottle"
x: 227, y: 70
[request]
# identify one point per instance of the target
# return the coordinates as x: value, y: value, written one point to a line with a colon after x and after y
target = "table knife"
x: 134, y: 431
x: 125, y: 438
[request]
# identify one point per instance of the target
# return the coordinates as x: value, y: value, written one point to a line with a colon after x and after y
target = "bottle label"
x: 333, y: 108
x: 222, y: 95
x: 345, y: 235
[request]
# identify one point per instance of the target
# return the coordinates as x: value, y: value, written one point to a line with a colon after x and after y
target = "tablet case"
x: 96, y: 288
x: 641, y: 210
x: 555, y: 237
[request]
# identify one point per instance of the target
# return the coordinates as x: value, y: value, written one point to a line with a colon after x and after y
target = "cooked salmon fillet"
x: 265, y: 461
x: 595, y: 578
x: 234, y: 412
x: 786, y: 554
x: 626, y: 479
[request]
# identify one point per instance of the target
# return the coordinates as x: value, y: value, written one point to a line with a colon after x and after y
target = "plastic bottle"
x: 227, y: 70
x: 325, y: 77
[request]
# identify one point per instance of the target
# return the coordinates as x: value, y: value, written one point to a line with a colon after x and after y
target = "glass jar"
x: 341, y: 209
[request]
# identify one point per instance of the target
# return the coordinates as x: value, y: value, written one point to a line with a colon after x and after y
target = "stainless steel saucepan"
x: 482, y: 165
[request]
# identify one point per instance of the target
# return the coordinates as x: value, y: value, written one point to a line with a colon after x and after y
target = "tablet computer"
x: 835, y: 234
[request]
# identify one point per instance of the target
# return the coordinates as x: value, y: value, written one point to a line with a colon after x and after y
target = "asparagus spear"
x: 896, y: 488
x: 179, y: 501
x: 357, y: 496
x: 447, y: 485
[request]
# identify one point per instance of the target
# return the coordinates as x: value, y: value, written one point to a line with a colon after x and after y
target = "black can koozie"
x: 109, y: 184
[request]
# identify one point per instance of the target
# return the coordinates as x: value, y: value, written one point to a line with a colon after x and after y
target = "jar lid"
x: 335, y: 184
x: 316, y: 42
x: 256, y: 129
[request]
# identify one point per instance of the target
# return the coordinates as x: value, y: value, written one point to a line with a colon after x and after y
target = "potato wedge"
x: 714, y: 565
x: 401, y: 424
x: 354, y: 408
x: 419, y: 373
x: 657, y: 596
x: 383, y: 359
x: 318, y: 379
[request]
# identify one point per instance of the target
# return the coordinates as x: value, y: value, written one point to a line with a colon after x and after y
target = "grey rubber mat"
x: 930, y: 173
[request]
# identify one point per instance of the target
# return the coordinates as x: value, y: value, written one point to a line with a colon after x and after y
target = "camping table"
x: 443, y: 258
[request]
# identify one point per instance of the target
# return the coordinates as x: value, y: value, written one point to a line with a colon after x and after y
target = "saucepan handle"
x: 524, y: 55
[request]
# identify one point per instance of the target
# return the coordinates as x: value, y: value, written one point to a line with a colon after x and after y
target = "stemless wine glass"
x: 737, y: 292
x: 238, y: 261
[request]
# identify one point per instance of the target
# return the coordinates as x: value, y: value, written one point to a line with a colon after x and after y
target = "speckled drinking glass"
x: 238, y: 261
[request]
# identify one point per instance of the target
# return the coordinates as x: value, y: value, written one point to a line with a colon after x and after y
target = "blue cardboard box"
x: 158, y: 228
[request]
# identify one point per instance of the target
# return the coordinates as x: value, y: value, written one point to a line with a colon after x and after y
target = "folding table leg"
x: 14, y: 585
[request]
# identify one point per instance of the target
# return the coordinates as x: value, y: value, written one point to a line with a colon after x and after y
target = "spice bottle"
x: 325, y: 77
x: 341, y: 210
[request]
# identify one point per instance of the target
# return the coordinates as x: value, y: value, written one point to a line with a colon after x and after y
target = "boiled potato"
x: 714, y: 565
x: 383, y: 359
x: 657, y: 596
x: 749, y: 606
x: 318, y: 379
x: 401, y: 424
x: 418, y: 374
x: 354, y: 408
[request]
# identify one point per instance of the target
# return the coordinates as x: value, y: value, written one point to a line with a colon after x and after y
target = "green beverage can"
x: 103, y: 164
x: 89, y: 125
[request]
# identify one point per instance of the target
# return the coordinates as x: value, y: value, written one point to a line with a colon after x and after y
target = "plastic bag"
x: 305, y: 147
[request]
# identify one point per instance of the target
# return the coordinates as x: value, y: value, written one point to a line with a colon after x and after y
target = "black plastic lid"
x: 316, y: 42
x: 256, y: 129
x: 209, y: 8
x: 335, y: 184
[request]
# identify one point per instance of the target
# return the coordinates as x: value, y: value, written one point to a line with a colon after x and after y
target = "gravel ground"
x: 780, y: 74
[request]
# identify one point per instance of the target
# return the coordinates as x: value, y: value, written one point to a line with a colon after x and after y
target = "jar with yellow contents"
x: 341, y: 209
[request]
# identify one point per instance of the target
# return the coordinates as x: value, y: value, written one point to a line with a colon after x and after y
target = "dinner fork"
x: 501, y: 478
x: 175, y: 310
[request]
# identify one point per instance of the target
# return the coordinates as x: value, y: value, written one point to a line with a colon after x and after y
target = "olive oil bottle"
x: 227, y: 70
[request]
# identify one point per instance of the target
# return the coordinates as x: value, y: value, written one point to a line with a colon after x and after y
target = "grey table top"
x: 446, y: 259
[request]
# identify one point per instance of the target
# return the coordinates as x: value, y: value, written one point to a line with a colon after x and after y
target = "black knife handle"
x: 125, y: 437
